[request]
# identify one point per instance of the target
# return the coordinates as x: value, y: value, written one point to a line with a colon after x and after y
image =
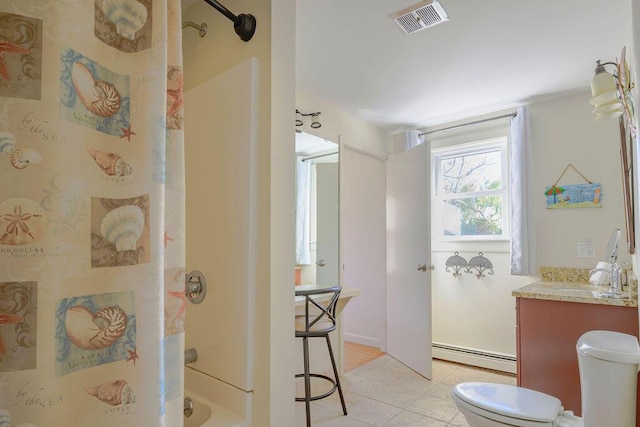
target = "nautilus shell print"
x: 22, y: 221
x: 98, y: 96
x: 123, y: 226
x: 129, y: 16
x: 110, y: 163
x: 113, y: 393
x: 7, y: 142
x: 22, y: 157
x: 95, y: 331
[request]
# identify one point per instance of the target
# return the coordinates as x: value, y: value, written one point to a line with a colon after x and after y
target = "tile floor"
x: 384, y: 392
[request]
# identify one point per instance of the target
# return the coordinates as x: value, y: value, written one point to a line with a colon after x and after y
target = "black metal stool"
x: 318, y: 320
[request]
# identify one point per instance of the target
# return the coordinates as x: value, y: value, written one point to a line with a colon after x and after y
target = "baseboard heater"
x: 471, y: 356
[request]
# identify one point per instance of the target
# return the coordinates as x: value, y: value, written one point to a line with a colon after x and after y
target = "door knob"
x: 321, y: 263
x: 425, y: 267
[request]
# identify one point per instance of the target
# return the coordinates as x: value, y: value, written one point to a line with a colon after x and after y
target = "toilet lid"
x: 510, y: 401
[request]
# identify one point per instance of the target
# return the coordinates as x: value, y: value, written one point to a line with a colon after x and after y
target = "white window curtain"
x: 303, y: 190
x: 522, y: 233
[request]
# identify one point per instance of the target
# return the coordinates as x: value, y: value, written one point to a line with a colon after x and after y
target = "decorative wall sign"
x: 574, y: 195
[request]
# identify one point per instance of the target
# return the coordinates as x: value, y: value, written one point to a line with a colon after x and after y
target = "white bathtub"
x: 215, y: 403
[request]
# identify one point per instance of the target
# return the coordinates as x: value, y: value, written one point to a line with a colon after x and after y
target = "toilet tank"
x: 608, y: 363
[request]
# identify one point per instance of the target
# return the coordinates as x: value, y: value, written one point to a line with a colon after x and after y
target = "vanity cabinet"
x: 547, y: 332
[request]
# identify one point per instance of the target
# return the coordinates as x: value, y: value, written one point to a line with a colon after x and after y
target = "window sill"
x: 484, y: 246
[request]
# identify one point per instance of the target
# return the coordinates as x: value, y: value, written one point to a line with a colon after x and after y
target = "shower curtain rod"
x: 243, y: 24
x: 468, y: 124
x: 304, y: 159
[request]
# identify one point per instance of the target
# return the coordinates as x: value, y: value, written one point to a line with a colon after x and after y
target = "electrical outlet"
x: 586, y: 250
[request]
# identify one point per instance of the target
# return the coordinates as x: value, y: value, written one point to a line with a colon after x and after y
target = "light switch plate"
x: 586, y: 250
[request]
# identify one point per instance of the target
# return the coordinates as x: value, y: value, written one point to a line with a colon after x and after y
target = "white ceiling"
x: 491, y: 55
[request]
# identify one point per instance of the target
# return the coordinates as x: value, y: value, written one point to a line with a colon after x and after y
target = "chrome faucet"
x: 615, y: 282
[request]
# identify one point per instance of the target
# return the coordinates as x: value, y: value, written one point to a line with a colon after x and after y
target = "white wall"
x: 564, y: 131
x: 338, y: 126
x: 363, y: 237
x: 480, y: 314
x: 362, y: 220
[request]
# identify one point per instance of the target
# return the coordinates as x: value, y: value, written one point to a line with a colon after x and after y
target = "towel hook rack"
x: 481, y: 265
x: 456, y: 263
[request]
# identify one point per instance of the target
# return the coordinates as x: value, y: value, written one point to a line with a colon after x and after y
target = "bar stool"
x: 318, y: 320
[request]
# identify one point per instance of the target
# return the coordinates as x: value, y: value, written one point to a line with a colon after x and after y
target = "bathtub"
x: 215, y: 403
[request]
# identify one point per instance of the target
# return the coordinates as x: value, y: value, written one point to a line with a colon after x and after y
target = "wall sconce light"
x: 315, y: 124
x: 611, y: 92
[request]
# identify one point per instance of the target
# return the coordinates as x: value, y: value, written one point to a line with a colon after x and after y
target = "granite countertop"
x: 572, y: 285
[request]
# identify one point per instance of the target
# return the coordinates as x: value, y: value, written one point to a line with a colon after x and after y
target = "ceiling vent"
x: 420, y: 16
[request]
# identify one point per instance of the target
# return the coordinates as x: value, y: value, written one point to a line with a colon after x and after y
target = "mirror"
x: 317, y: 210
x: 612, y: 246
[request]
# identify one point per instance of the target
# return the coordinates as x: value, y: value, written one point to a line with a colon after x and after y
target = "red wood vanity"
x: 547, y: 331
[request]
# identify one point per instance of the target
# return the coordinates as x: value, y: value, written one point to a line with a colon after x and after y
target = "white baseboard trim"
x: 480, y: 358
x: 359, y: 339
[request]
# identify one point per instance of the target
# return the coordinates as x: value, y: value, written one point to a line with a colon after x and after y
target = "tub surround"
x: 230, y: 407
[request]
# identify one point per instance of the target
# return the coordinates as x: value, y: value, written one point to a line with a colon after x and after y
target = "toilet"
x: 608, y: 363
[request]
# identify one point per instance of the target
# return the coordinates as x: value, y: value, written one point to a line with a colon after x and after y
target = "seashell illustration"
x: 100, y: 97
x: 5, y: 418
x: 7, y: 142
x: 112, y: 164
x: 128, y: 15
x: 22, y: 221
x: 94, y: 331
x: 113, y: 393
x: 123, y: 226
x: 20, y: 158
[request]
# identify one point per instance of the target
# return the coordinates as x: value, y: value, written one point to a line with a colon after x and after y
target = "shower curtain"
x: 91, y: 213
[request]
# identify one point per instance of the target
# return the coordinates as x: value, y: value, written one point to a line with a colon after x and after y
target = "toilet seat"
x: 508, y: 404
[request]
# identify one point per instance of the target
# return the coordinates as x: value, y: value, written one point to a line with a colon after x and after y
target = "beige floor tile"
x: 396, y: 396
x: 463, y: 374
x: 373, y: 412
x: 343, y: 421
x: 333, y: 401
x: 443, y: 410
x: 385, y: 392
x: 319, y: 414
x: 498, y: 377
x: 359, y: 385
x: 389, y: 362
x: 379, y: 373
x: 414, y: 382
x: 441, y: 391
x: 459, y: 421
x: 412, y: 419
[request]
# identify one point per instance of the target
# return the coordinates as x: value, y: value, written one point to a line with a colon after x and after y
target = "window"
x: 471, y: 191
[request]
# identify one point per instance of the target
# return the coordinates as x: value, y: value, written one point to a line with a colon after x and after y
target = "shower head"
x: 202, y: 28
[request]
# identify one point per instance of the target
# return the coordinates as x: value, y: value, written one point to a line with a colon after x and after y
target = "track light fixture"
x: 315, y: 124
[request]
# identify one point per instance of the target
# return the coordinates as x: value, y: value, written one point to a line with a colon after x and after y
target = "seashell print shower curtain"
x: 91, y: 213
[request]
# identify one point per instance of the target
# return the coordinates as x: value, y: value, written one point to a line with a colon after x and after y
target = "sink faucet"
x: 615, y: 281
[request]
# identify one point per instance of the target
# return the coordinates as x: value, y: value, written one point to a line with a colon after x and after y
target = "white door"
x: 327, y: 234
x: 408, y: 248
